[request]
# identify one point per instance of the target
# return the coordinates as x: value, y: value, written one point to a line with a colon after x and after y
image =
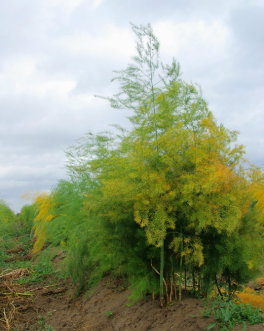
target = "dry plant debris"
x: 14, y: 299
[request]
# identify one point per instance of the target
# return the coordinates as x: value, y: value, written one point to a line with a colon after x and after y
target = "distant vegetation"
x: 166, y: 205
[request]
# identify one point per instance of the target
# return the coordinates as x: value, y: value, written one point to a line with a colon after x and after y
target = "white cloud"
x: 20, y: 75
x: 114, y: 42
x: 209, y: 40
x: 56, y: 54
x: 68, y: 5
x: 97, y: 3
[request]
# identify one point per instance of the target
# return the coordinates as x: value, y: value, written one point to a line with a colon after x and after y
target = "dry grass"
x: 13, y: 298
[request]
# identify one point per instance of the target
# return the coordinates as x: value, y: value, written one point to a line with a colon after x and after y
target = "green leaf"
x: 210, y: 326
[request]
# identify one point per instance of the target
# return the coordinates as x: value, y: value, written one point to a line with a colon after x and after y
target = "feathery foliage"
x: 165, y: 204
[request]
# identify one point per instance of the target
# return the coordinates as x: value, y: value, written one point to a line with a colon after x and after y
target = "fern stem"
x: 161, y: 273
x: 180, y: 281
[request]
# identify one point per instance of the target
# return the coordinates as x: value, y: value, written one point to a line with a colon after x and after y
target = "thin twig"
x: 6, y: 320
x: 154, y: 267
x: 16, y: 293
x: 15, y: 273
x: 164, y: 281
x: 41, y: 288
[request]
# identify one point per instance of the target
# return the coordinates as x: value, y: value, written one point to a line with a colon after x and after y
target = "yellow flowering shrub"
x: 249, y: 295
x: 44, y: 205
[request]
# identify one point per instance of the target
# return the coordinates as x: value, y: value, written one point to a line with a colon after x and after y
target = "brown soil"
x: 105, y: 309
x: 52, y: 307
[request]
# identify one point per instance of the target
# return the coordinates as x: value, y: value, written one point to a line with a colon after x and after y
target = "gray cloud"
x: 56, y: 54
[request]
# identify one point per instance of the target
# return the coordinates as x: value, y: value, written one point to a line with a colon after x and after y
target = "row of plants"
x: 168, y: 204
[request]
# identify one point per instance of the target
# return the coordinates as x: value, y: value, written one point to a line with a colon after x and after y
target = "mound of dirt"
x: 50, y: 307
x: 106, y: 309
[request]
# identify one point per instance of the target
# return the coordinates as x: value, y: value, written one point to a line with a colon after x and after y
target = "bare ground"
x: 106, y: 308
x: 53, y: 307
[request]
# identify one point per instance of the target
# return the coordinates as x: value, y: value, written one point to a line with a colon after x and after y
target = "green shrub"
x: 228, y: 313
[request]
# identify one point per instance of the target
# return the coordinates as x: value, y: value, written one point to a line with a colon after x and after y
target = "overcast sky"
x: 56, y: 54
